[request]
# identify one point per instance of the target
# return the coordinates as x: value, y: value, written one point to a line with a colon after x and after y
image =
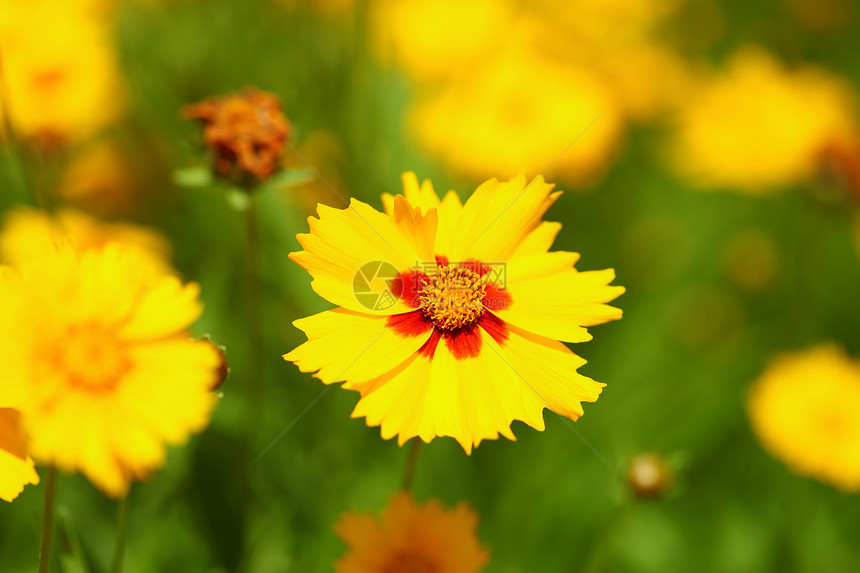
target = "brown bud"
x: 222, y: 370
x: 247, y: 132
x: 648, y: 475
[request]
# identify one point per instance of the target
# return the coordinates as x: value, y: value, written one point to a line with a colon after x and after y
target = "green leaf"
x: 290, y: 178
x: 238, y: 199
x: 193, y: 177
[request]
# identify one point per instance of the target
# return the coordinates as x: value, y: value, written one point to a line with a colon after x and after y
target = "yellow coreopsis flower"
x: 411, y: 537
x: 522, y: 113
x: 759, y: 126
x: 16, y: 467
x: 804, y: 407
x: 451, y: 314
x: 59, y: 72
x: 98, y: 358
x: 29, y: 235
x: 406, y: 32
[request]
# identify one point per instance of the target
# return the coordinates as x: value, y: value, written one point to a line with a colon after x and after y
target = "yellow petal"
x: 498, y: 216
x: 346, y: 345
x: 559, y: 305
x: 423, y: 196
x: 548, y: 368
x: 164, y: 309
x: 419, y: 227
x: 16, y: 468
x: 342, y: 241
x: 471, y: 400
x: 539, y: 240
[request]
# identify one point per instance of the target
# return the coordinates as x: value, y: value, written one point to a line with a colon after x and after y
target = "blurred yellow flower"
x: 758, y: 125
x: 97, y: 354
x: 59, y: 72
x: 101, y: 178
x: 430, y: 39
x: 521, y: 113
x: 450, y: 315
x: 411, y: 538
x: 16, y: 467
x: 28, y: 235
x: 804, y: 408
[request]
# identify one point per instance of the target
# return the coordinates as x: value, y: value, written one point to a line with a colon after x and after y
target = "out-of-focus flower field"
x: 160, y: 157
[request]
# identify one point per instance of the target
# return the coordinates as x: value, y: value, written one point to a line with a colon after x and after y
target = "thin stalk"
x: 119, y: 541
x: 411, y: 462
x: 254, y: 324
x: 47, y: 519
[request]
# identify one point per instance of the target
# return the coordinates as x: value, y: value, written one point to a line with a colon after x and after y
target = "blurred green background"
x: 696, y: 329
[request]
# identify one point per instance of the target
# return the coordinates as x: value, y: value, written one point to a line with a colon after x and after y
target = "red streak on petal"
x: 464, y: 342
x: 409, y: 323
x: 495, y: 327
x: 407, y: 286
x: 441, y: 261
x: 429, y: 347
x: 495, y: 298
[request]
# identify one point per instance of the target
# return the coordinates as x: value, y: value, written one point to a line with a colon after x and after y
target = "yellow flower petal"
x: 16, y: 467
x: 371, y: 236
x: 166, y: 307
x: 559, y: 305
x: 366, y: 346
x: 498, y: 216
x: 474, y: 399
x: 423, y: 196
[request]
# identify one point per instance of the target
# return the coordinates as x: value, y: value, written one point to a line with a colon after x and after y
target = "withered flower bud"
x: 648, y: 475
x: 222, y: 371
x: 838, y: 168
x: 247, y: 131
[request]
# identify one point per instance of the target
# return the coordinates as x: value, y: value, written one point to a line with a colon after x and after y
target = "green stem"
x: 119, y: 541
x: 256, y: 369
x: 411, y: 462
x: 47, y: 519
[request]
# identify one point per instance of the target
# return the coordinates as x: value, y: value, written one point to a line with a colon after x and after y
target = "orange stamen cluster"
x: 452, y: 297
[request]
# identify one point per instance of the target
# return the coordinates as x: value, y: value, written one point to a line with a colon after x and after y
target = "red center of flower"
x: 411, y: 563
x: 455, y: 300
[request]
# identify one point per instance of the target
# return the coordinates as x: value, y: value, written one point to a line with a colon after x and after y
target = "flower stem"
x: 47, y: 519
x: 411, y: 462
x: 119, y: 542
x: 253, y: 312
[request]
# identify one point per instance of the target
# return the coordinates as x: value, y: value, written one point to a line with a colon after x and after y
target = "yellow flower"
x: 97, y: 356
x: 102, y: 178
x: 804, y: 407
x: 29, y: 235
x: 408, y: 32
x: 451, y: 314
x: 522, y: 113
x: 411, y: 537
x: 59, y: 72
x: 759, y: 126
x: 16, y: 467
